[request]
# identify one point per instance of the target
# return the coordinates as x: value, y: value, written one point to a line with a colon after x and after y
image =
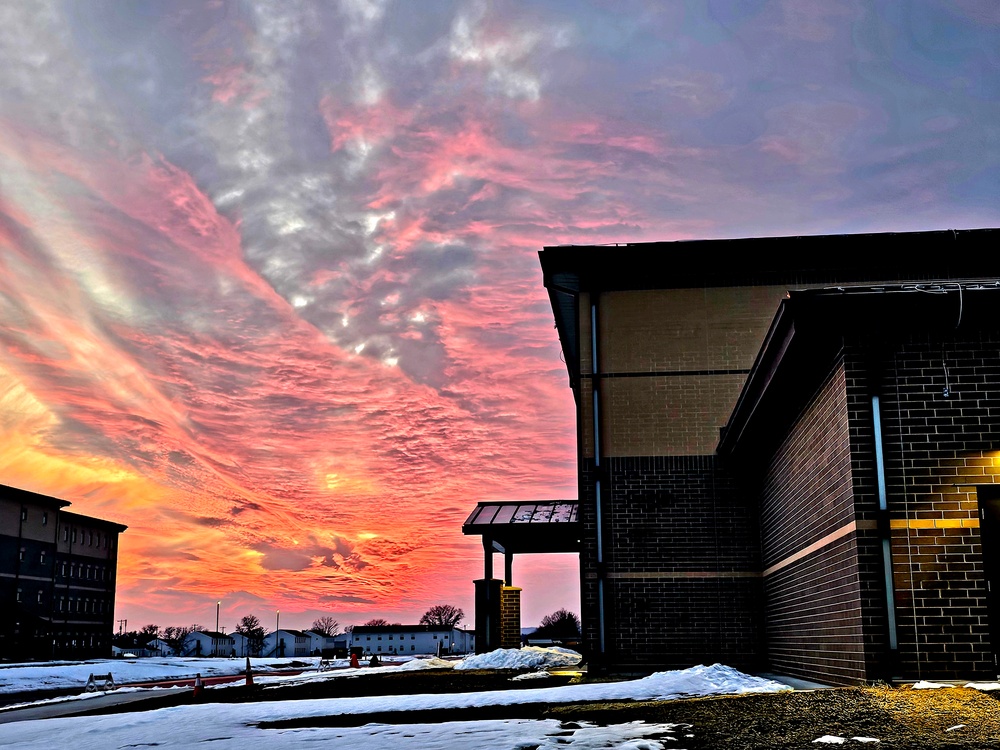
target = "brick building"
x: 784, y: 451
x: 57, y: 579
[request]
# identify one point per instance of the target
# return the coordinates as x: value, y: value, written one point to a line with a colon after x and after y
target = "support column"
x: 508, y: 563
x: 488, y: 614
x: 510, y: 613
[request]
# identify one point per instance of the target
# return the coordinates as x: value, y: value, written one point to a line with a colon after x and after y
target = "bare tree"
x: 251, y: 629
x: 444, y: 615
x: 376, y: 622
x: 327, y: 625
x: 175, y: 636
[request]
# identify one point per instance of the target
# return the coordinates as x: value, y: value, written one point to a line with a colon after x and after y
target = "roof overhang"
x: 807, y: 334
x: 527, y: 526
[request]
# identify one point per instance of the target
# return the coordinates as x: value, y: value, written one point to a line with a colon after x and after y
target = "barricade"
x: 107, y: 680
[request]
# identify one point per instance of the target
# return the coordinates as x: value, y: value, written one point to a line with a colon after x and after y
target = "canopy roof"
x: 527, y: 526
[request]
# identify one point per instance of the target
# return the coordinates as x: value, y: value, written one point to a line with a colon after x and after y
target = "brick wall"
x: 682, y: 582
x: 808, y: 536
x: 510, y: 617
x: 937, y: 450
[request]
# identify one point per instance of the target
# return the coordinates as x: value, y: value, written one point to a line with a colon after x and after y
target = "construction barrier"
x: 107, y: 679
x: 198, y: 686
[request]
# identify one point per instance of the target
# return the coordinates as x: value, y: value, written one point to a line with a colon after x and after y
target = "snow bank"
x: 531, y: 657
x: 431, y: 663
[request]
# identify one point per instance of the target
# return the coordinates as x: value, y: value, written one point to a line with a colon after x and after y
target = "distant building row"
x: 407, y: 640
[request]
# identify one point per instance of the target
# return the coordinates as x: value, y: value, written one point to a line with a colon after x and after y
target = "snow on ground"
x: 234, y: 726
x: 984, y: 686
x: 17, y: 678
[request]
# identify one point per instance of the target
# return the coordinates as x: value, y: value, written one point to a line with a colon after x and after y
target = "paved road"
x: 72, y: 707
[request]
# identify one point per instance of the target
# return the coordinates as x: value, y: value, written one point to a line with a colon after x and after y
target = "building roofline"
x: 806, y: 334
x: 80, y: 518
x: 793, y: 261
x: 15, y: 493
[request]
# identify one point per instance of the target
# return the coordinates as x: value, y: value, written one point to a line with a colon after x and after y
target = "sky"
x: 269, y: 285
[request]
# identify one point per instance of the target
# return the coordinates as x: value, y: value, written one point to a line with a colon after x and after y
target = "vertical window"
x: 39, y: 597
x: 24, y: 514
x: 74, y: 536
x: 91, y: 542
x: 41, y: 557
x: 65, y: 534
x: 21, y: 554
x: 45, y: 518
x: 19, y: 594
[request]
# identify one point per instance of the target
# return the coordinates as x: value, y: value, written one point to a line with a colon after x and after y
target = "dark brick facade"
x: 681, y: 565
x: 938, y: 451
x: 809, y: 552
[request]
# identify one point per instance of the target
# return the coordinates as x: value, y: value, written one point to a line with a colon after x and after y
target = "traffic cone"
x: 198, y: 686
x: 249, y: 674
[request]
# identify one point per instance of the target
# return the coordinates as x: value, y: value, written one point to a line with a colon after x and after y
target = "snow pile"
x: 531, y: 657
x: 717, y: 679
x: 832, y: 739
x: 983, y: 686
x: 530, y: 676
x: 430, y: 663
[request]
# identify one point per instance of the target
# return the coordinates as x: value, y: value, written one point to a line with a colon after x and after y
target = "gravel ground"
x: 898, y: 717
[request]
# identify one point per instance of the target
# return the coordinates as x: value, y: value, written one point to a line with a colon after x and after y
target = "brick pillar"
x: 510, y: 617
x: 488, y: 614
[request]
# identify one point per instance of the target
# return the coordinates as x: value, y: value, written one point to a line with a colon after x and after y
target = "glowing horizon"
x: 269, y: 286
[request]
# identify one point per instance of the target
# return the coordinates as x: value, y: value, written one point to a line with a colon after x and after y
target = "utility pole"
x: 122, y: 626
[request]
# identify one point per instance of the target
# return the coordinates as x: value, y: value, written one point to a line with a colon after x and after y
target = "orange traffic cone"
x: 249, y: 674
x: 198, y: 686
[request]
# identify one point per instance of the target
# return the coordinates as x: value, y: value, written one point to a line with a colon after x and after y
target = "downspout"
x: 884, y: 532
x: 596, y: 410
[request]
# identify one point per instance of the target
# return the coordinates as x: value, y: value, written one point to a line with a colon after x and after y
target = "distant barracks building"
x: 788, y: 451
x: 57, y: 579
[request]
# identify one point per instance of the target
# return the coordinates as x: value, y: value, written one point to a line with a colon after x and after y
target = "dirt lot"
x: 897, y: 717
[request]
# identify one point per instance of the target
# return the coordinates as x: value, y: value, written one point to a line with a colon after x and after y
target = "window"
x: 65, y: 534
x: 21, y: 555
x: 45, y: 518
x: 19, y: 594
x: 91, y: 542
x: 390, y: 637
x: 24, y: 514
x: 413, y: 648
x: 39, y: 597
x: 74, y: 536
x: 41, y: 557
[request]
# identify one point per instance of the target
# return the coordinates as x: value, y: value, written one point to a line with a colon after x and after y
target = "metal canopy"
x: 523, y: 527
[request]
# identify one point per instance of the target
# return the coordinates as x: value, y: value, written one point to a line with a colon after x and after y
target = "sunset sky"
x: 269, y: 285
